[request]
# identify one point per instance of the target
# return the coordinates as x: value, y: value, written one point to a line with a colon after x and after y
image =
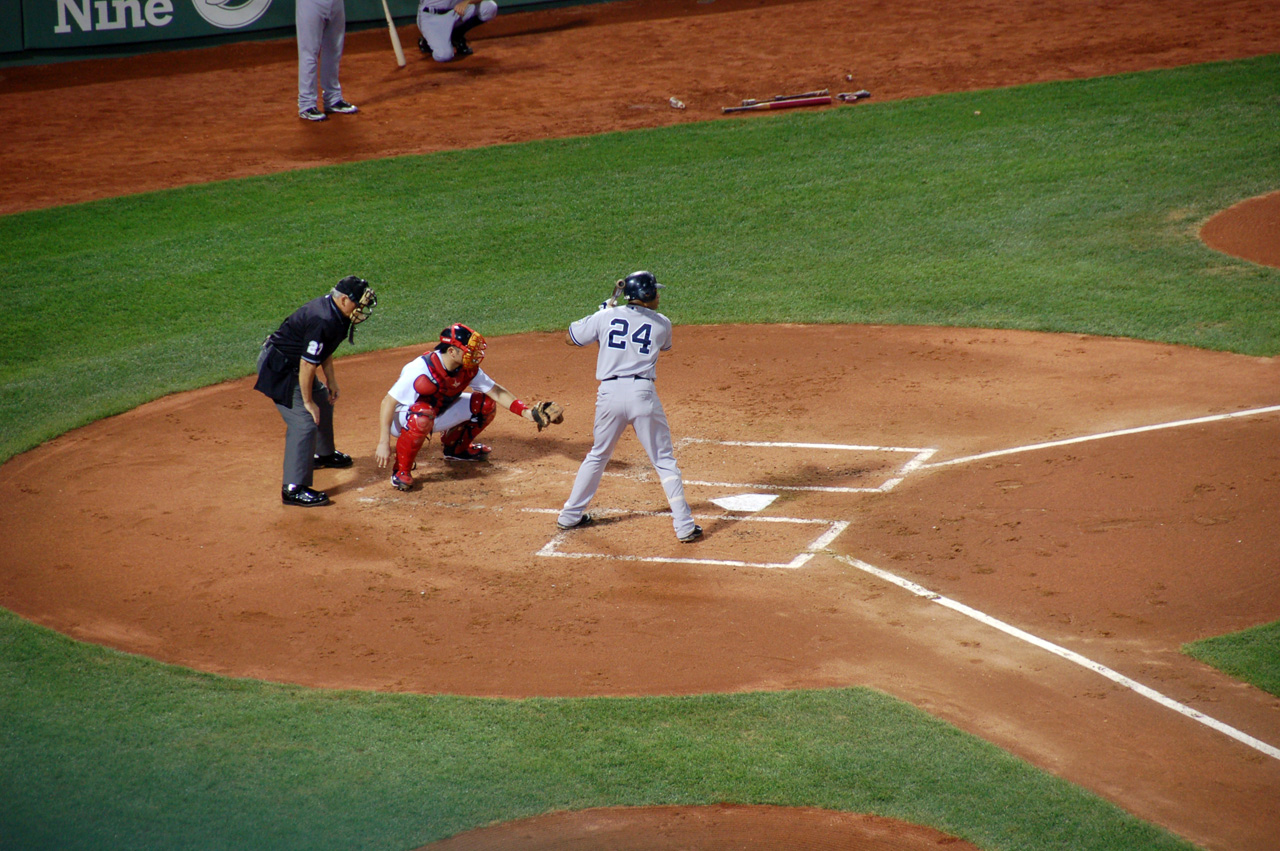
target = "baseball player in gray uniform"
x: 630, y: 337
x: 322, y: 28
x: 444, y: 25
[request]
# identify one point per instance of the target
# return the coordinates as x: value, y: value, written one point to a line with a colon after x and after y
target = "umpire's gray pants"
x: 303, y: 438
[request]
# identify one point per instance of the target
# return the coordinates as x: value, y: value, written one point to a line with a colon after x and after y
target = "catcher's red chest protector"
x: 437, y: 387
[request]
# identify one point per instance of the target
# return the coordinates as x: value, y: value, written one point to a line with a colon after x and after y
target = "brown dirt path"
x: 1119, y: 549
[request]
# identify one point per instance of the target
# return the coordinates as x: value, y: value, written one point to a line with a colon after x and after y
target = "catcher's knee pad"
x: 419, y: 421
x: 483, y: 410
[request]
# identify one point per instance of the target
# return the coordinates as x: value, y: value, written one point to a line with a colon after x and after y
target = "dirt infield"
x: 1118, y: 548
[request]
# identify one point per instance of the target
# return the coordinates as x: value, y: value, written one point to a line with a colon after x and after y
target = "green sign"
x: 83, y: 23
x: 88, y: 23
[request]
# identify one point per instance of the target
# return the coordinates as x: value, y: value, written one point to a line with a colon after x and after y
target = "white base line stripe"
x: 1069, y: 655
x: 1122, y: 432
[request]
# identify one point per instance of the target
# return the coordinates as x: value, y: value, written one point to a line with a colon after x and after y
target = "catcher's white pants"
x: 457, y: 413
x: 437, y: 27
x: 630, y: 402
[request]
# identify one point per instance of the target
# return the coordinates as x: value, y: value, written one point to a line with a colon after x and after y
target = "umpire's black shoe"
x: 335, y: 459
x: 460, y: 46
x: 306, y: 497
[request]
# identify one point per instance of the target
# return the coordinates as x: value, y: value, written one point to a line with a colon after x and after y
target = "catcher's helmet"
x: 641, y: 286
x: 471, y: 342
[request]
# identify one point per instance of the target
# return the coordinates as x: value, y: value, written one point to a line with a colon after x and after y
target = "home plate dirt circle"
x: 1078, y: 487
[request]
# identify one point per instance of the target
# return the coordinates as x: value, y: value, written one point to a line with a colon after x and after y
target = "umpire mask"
x: 359, y: 291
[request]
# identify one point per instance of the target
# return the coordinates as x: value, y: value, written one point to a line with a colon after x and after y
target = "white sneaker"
x: 312, y: 114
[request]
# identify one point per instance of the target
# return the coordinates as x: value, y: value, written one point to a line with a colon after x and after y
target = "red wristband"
x: 518, y: 408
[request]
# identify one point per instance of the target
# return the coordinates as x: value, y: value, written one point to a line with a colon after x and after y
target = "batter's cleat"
x: 423, y: 47
x: 402, y: 481
x: 476, y: 452
x: 584, y: 520
x: 460, y: 46
x: 312, y: 114
x: 304, y: 496
x: 334, y: 460
x: 343, y: 107
x: 692, y: 536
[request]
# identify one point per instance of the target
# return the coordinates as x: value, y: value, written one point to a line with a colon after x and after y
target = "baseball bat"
x: 814, y: 94
x: 780, y: 104
x: 395, y: 36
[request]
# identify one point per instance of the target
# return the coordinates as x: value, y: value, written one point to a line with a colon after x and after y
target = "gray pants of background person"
x: 303, y: 438
x: 322, y: 26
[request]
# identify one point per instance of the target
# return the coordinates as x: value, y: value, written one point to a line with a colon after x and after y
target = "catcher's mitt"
x: 546, y: 413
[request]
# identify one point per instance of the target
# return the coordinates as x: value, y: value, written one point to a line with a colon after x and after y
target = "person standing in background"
x: 322, y: 28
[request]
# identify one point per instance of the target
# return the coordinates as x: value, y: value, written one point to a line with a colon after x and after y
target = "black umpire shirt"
x: 311, y: 333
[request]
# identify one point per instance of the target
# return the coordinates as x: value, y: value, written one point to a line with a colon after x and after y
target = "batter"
x: 630, y: 337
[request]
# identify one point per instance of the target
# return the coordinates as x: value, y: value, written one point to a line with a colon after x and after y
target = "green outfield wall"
x: 33, y: 31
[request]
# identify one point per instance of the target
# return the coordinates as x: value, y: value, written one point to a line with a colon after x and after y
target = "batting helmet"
x: 641, y: 286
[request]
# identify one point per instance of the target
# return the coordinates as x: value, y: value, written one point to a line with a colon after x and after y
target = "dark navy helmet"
x: 641, y: 286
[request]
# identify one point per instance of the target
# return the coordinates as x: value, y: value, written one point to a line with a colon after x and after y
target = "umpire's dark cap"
x: 352, y: 287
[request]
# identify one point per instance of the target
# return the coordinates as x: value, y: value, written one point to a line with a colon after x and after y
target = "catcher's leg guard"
x: 457, y: 440
x: 417, y: 431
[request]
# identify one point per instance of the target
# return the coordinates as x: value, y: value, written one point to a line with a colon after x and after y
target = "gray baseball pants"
x: 322, y: 28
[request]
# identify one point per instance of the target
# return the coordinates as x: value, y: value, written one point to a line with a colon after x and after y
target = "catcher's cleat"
x: 476, y: 452
x: 304, y: 496
x: 692, y: 536
x: 335, y: 460
x: 584, y: 520
x: 401, y: 481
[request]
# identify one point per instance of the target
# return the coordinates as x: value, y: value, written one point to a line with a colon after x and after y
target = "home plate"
x: 746, y: 501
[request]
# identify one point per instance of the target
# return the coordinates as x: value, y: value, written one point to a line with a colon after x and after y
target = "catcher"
x: 430, y: 396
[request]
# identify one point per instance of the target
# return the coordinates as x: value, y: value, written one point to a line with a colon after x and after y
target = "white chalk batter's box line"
x: 817, y: 545
x: 919, y: 458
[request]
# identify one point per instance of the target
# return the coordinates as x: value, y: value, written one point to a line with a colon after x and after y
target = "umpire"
x: 287, y: 373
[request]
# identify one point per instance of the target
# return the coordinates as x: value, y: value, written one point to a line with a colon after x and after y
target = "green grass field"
x: 1059, y: 207
x: 1252, y: 655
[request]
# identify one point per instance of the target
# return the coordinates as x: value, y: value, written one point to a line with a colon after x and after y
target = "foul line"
x: 1069, y: 655
x: 1122, y: 432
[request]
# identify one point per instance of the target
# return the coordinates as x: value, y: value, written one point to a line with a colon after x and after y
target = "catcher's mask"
x: 641, y: 286
x: 471, y: 343
x: 359, y: 291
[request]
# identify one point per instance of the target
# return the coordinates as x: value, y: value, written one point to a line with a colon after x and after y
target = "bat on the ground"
x: 818, y: 93
x: 850, y: 97
x: 781, y: 104
x: 395, y: 36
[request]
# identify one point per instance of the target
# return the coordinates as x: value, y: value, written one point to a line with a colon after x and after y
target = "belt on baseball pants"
x: 443, y: 11
x: 636, y: 377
